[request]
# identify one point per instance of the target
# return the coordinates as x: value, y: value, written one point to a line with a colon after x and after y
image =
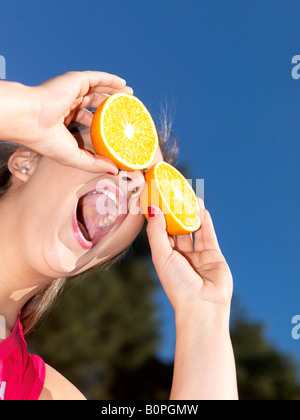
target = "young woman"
x: 53, y: 226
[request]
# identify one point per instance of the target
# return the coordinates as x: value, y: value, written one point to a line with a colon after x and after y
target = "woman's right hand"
x: 37, y: 117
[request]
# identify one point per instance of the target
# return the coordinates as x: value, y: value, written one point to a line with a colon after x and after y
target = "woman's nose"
x: 133, y: 181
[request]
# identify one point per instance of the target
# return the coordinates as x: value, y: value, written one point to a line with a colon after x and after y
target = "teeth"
x: 109, y: 220
x: 110, y: 195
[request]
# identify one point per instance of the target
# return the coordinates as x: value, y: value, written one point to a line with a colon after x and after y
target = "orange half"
x: 170, y: 190
x: 123, y: 131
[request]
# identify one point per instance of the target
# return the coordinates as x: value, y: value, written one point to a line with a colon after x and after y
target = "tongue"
x: 92, y: 210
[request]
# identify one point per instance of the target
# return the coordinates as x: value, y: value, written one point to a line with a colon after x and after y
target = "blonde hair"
x: 42, y: 302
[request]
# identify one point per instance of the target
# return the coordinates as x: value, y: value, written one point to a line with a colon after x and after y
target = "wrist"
x: 19, y: 112
x: 207, y: 319
x: 204, y: 366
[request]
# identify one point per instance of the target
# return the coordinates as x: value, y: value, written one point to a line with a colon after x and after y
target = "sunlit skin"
x: 38, y: 210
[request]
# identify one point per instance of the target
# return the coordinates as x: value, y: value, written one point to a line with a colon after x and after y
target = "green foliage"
x: 263, y: 372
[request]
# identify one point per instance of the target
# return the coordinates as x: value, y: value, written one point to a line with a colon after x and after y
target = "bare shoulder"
x: 57, y: 387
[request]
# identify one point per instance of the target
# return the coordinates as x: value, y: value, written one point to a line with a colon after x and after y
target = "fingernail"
x: 110, y: 173
x: 151, y: 212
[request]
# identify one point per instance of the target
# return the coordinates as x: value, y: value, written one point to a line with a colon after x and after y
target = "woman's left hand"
x: 198, y: 283
x: 193, y: 275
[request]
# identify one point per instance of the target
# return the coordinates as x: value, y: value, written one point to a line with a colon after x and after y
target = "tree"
x: 263, y: 372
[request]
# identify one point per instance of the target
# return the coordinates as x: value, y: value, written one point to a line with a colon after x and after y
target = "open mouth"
x: 97, y: 212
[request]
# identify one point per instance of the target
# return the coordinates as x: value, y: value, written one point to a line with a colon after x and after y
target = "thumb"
x: 89, y: 162
x: 67, y: 152
x: 157, y: 235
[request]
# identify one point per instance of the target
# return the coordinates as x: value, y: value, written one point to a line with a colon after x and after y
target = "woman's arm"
x: 37, y: 117
x: 198, y: 283
x: 204, y: 366
x: 19, y: 111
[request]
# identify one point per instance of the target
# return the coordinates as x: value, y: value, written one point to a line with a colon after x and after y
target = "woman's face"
x: 69, y: 220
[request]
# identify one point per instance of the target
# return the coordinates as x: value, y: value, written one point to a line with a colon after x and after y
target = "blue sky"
x: 225, y: 69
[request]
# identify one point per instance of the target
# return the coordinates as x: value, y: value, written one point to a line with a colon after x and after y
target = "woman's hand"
x: 198, y: 283
x: 37, y: 117
x: 193, y: 275
x: 63, y: 99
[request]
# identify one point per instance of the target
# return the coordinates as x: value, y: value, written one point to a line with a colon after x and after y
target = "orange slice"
x: 123, y: 131
x: 170, y: 190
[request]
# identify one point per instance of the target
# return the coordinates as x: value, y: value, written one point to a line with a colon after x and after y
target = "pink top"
x: 22, y: 375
